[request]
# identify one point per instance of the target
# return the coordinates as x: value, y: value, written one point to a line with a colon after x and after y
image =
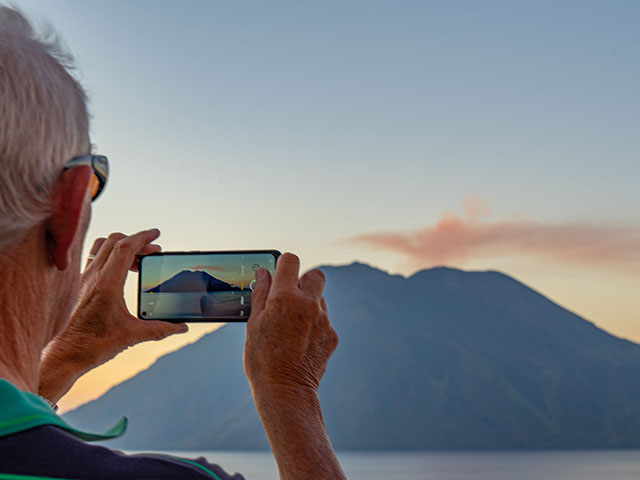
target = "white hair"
x: 43, y: 122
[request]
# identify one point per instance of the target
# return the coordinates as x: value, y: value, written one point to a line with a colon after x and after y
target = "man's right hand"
x: 289, y: 342
x: 289, y: 337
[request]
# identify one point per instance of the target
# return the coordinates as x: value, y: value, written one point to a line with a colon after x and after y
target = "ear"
x: 69, y: 197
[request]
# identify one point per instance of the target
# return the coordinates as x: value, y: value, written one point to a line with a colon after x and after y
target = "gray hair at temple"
x: 43, y: 122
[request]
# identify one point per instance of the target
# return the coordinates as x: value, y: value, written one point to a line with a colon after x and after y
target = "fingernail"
x: 183, y: 328
x: 259, y: 275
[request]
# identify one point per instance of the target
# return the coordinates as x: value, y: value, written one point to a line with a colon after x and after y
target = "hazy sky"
x: 406, y: 134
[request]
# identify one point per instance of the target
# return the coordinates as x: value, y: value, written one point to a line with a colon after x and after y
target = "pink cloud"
x: 214, y: 268
x: 456, y: 239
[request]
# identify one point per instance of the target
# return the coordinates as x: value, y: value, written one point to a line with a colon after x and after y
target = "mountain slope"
x: 443, y: 359
x: 188, y: 281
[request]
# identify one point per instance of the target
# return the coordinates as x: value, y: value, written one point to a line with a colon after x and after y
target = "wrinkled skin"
x: 101, y: 325
x: 289, y: 336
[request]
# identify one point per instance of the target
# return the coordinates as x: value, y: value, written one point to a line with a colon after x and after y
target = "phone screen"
x: 200, y: 286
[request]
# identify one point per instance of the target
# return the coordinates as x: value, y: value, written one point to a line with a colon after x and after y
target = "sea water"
x: 529, y: 465
x: 192, y: 305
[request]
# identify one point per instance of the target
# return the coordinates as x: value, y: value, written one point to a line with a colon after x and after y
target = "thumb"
x: 158, y: 329
x: 261, y: 291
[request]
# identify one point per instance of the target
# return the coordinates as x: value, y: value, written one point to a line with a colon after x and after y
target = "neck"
x: 24, y: 313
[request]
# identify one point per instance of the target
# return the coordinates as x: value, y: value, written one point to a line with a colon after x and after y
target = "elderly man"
x: 57, y: 324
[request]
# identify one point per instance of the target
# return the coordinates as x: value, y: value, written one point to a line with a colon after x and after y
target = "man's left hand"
x: 101, y: 326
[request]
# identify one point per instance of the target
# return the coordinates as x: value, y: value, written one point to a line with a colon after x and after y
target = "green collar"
x: 20, y: 411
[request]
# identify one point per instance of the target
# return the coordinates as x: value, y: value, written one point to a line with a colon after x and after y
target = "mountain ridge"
x: 443, y: 359
x: 191, y: 281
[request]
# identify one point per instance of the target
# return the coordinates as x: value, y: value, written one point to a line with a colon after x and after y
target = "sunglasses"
x: 100, y: 166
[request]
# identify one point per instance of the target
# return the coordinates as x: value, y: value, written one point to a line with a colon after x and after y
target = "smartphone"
x: 200, y: 286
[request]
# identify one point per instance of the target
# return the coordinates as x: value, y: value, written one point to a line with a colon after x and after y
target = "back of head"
x: 43, y: 122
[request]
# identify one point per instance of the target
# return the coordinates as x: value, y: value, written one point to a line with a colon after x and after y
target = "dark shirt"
x: 37, y: 444
x: 49, y: 451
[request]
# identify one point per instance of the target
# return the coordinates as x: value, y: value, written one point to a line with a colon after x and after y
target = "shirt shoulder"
x: 48, y: 451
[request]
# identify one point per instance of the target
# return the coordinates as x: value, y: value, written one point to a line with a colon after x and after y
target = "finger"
x: 151, y: 248
x: 97, y: 244
x: 147, y: 250
x: 287, y: 269
x: 313, y: 282
x: 124, y: 252
x: 145, y: 330
x: 105, y: 249
x: 323, y: 305
x: 260, y: 292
